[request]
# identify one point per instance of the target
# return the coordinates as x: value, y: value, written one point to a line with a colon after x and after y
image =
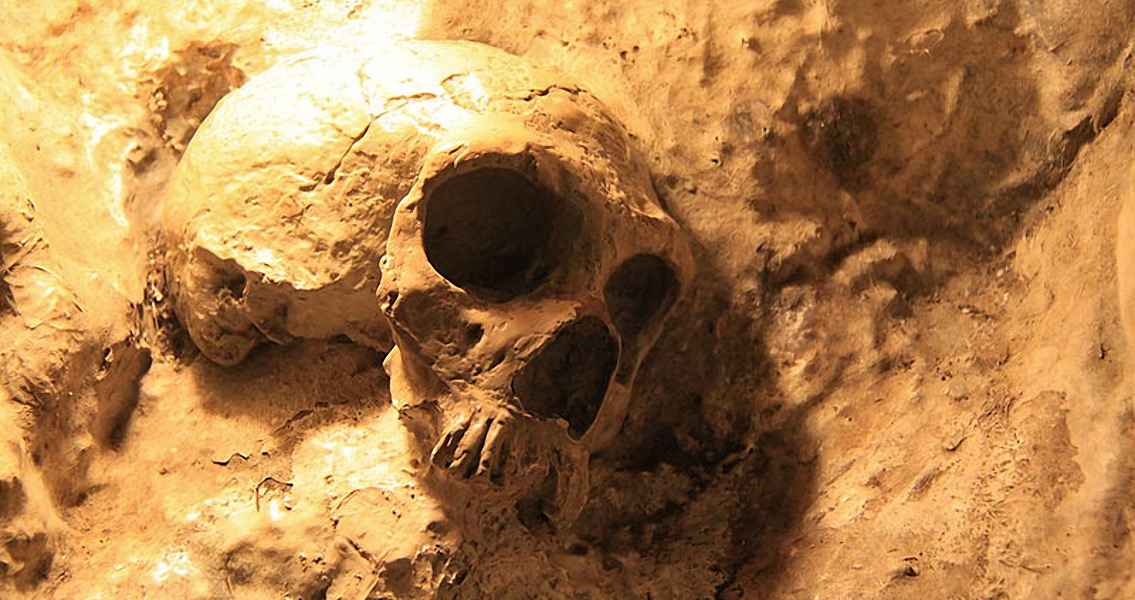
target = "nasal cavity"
x: 489, y: 231
x: 568, y: 378
x: 641, y: 288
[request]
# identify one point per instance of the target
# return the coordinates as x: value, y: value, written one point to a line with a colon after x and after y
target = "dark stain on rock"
x: 842, y: 136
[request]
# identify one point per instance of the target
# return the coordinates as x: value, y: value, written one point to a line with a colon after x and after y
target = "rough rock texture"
x: 904, y: 369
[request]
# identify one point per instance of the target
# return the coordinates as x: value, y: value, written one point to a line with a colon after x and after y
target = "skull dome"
x: 277, y: 215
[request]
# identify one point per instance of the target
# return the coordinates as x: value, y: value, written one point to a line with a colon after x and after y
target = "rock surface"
x: 904, y: 369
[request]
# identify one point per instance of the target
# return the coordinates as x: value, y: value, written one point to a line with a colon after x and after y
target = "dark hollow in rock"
x: 568, y: 378
x: 488, y: 231
x: 842, y: 135
x: 639, y: 289
x: 7, y: 304
x: 7, y: 249
x: 25, y: 559
x: 12, y: 497
x: 235, y: 284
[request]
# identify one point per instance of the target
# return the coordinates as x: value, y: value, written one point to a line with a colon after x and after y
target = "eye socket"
x: 489, y: 231
x: 569, y: 377
x: 641, y: 288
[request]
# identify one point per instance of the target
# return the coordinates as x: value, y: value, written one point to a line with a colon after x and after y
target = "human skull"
x: 527, y: 270
x: 527, y: 273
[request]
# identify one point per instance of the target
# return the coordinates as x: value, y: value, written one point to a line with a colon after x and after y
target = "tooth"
x: 469, y: 453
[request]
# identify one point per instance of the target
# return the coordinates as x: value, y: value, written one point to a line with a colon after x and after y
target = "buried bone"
x: 526, y: 274
x: 493, y: 219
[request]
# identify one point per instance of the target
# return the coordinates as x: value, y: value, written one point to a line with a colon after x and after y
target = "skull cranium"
x: 526, y: 275
x: 527, y: 269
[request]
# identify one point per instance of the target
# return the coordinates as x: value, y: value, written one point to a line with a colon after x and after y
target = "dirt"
x: 902, y: 370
